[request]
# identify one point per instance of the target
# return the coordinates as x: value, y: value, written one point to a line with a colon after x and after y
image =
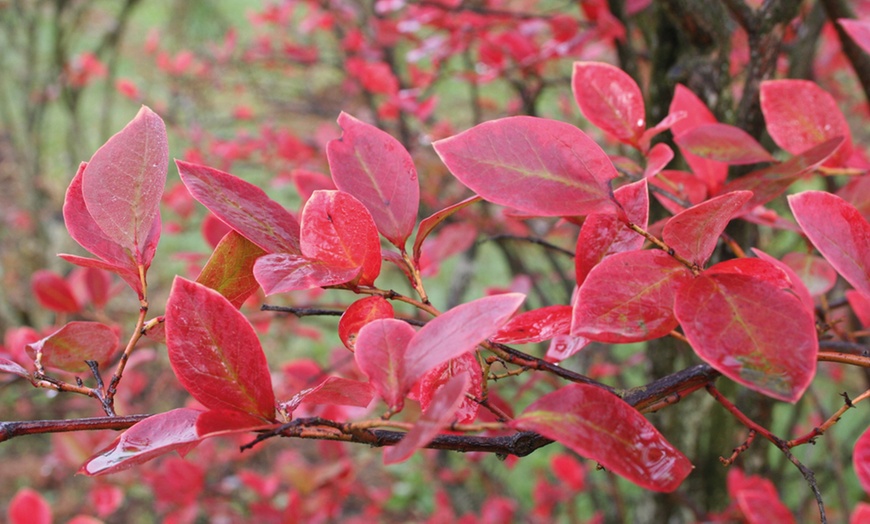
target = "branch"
x: 860, y: 61
x: 10, y: 430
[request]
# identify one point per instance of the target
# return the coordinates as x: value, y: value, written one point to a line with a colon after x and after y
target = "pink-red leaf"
x: 230, y: 269
x: 536, y: 325
x: 242, y: 206
x: 430, y: 223
x: 333, y: 391
x: 128, y: 274
x: 215, y: 352
x: 639, y: 308
x: 723, y: 143
x: 538, y: 166
x: 564, y: 346
x: 858, y: 31
x: 216, y: 422
x: 435, y: 380
x: 800, y: 114
x: 680, y: 185
x: 815, y: 272
x: 838, y: 231
x: 860, y: 305
x: 123, y: 183
x: 375, y: 168
x: 359, y: 314
x: 53, y: 292
x: 861, y: 460
x: 657, y: 158
x: 610, y: 99
x: 601, y: 426
x: 751, y: 330
x: 69, y: 347
x: 794, y: 282
x: 440, y: 411
x: 338, y: 231
x: 380, y: 352
x: 693, y: 233
x: 685, y: 101
x: 457, y: 331
x: 28, y: 507
x: 145, y: 440
x: 280, y: 273
x: 760, y: 508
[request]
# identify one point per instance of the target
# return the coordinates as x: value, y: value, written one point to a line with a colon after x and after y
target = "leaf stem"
x: 664, y: 247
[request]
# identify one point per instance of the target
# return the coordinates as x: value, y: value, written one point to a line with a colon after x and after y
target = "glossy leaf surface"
x: 145, y: 440
x: 69, y: 347
x: 336, y: 391
x: 723, y: 143
x: 216, y: 422
x: 435, y: 417
x: 338, y: 231
x: 601, y: 426
x: 230, y: 269
x: 242, y: 206
x: 536, y: 325
x: 380, y: 352
x: 280, y: 273
x: 215, y: 352
x: 375, y: 168
x: 838, y: 231
x: 436, y: 379
x: 639, y: 308
x: 752, y: 331
x: 799, y: 115
x: 694, y: 233
x: 123, y: 182
x: 795, y: 283
x: 685, y: 101
x: 610, y: 99
x: 538, y: 166
x: 359, y: 314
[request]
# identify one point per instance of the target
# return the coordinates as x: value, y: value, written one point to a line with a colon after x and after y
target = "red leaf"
x: 800, y: 114
x: 242, y: 206
x: 536, y: 325
x: 786, y: 277
x: 451, y: 239
x: 69, y: 347
x: 230, y: 269
x: 307, y: 182
x: 28, y: 507
x: 860, y: 305
x: 538, y: 166
x: 338, y: 231
x: 752, y: 331
x: 286, y: 272
x: 440, y: 411
x: 759, y: 508
x: 457, y: 331
x: 145, y: 440
x: 430, y: 223
x: 359, y: 314
x: 860, y: 514
x: 216, y: 422
x: 680, y: 184
x: 381, y: 347
x: 694, y: 233
x: 861, y: 460
x: 815, y: 272
x: 838, y: 231
x: 215, y: 352
x: 564, y: 346
x: 610, y: 99
x: 375, y: 168
x: 639, y: 308
x: 96, y: 284
x: 333, y: 391
x: 435, y: 380
x: 123, y: 183
x: 685, y: 101
x: 128, y: 274
x: 601, y: 426
x: 657, y: 158
x: 667, y: 122
x: 604, y: 235
x: 858, y: 30
x: 569, y: 471
x: 723, y: 143
x: 53, y: 292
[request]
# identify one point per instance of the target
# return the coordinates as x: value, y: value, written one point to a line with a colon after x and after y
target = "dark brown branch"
x: 9, y: 430
x: 860, y: 61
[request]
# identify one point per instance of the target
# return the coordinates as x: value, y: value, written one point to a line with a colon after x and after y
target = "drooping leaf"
x: 599, y: 425
x: 280, y: 273
x: 215, y: 352
x: 8, y: 366
x: 657, y: 158
x: 838, y: 231
x: 145, y: 440
x: 861, y: 460
x: 375, y: 168
x: 53, y: 292
x: 428, y: 224
x: 216, y: 422
x: 242, y: 206
x: 123, y: 183
x: 335, y: 391
x: 436, y: 379
x: 230, y: 269
x: 536, y: 325
x: 538, y: 166
x: 457, y: 331
x: 69, y: 347
x: 359, y: 314
x: 610, y: 99
x: 603, y: 235
x: 770, y: 182
x: 28, y: 507
x: 380, y: 352
x: 128, y: 274
x: 441, y: 410
x: 723, y: 143
x: 639, y: 308
x: 338, y: 231
x: 685, y: 101
x: 799, y: 115
x: 752, y: 331
x: 694, y: 233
